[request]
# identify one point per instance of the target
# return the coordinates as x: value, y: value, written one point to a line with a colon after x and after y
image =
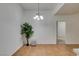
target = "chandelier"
x: 37, y: 15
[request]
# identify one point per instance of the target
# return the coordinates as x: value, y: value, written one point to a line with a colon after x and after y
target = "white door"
x: 61, y: 28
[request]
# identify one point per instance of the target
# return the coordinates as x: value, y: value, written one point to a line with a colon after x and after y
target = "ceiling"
x: 42, y: 6
x: 68, y: 9
x: 57, y: 8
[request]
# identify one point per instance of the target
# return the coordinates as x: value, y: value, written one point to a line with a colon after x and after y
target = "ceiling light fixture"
x: 38, y: 16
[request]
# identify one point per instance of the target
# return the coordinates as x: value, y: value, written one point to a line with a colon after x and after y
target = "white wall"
x: 72, y: 28
x: 45, y: 30
x: 10, y: 39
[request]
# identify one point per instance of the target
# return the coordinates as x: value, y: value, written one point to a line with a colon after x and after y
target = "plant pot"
x: 27, y: 44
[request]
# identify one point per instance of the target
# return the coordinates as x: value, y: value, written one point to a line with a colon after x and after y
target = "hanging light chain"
x: 38, y: 16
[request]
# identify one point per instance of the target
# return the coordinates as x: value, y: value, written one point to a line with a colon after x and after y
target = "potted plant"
x: 26, y: 29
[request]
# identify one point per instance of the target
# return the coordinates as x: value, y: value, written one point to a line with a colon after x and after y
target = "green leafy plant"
x: 26, y: 29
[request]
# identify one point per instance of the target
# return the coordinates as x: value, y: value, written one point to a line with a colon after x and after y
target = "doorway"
x: 60, y: 32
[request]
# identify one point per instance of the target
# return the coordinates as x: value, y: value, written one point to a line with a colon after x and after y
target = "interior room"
x: 39, y: 29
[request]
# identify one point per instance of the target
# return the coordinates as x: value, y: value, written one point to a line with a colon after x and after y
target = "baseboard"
x: 17, y: 49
